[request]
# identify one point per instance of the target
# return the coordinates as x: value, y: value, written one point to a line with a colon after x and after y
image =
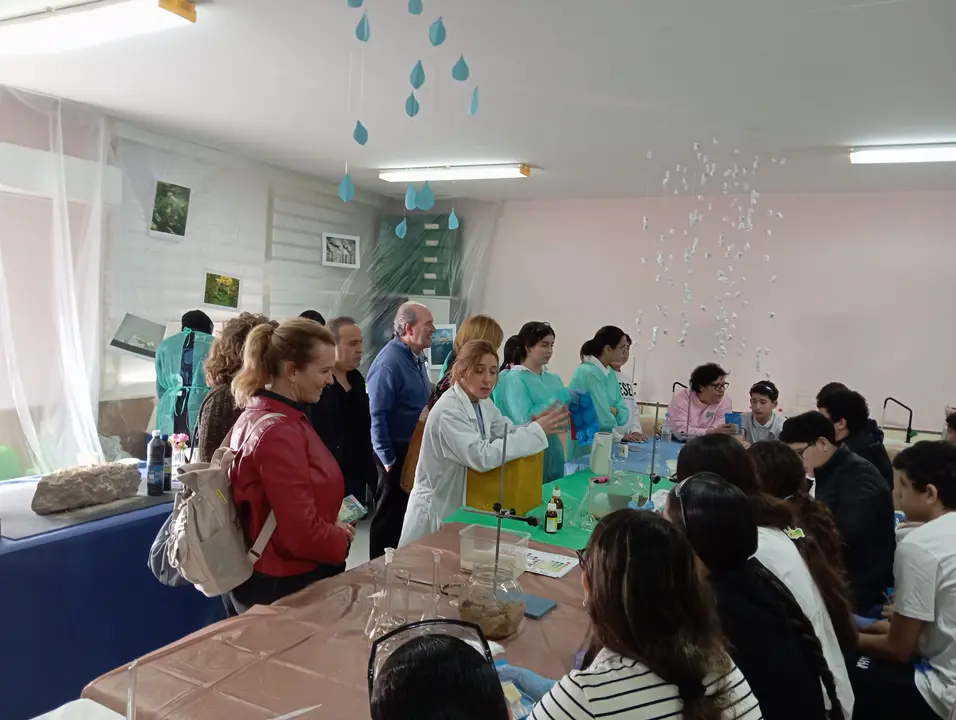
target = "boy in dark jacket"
x: 850, y: 415
x: 858, y: 497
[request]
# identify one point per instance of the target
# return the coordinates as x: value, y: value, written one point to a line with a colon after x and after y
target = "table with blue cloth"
x: 574, y: 489
x: 78, y: 601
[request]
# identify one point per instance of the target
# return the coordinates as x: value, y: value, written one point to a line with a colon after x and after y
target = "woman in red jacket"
x: 282, y: 466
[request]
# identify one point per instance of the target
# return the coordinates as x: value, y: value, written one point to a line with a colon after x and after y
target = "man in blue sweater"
x: 398, y: 390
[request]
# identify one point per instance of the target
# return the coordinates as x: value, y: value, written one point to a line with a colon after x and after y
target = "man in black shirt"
x: 341, y: 416
x: 859, y: 499
x: 850, y: 415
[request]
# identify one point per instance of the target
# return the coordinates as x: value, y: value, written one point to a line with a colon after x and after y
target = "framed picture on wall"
x: 443, y: 341
x: 221, y: 291
x: 170, y: 211
x: 341, y: 251
x: 139, y: 336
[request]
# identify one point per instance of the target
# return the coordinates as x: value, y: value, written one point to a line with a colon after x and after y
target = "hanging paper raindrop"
x: 473, y: 103
x: 346, y: 188
x: 411, y: 106
x: 452, y: 220
x: 410, y: 198
x: 436, y: 33
x: 362, y: 31
x: 401, y: 228
x: 418, y: 75
x: 415, y: 7
x: 460, y: 72
x: 356, y: 3
x: 425, y: 198
x: 360, y: 134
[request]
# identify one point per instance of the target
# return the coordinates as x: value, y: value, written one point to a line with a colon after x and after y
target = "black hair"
x: 931, y: 462
x: 628, y: 338
x: 829, y: 388
x: 722, y: 528
x: 807, y: 428
x: 608, y: 336
x: 846, y: 405
x: 510, y: 352
x: 437, y: 677
x: 951, y: 421
x: 530, y: 334
x: 197, y: 321
x: 705, y: 375
x: 765, y: 388
x: 313, y: 315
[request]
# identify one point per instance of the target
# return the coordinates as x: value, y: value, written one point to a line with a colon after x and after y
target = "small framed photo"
x: 170, y: 211
x: 443, y: 342
x: 221, y: 291
x: 341, y: 251
x: 139, y: 336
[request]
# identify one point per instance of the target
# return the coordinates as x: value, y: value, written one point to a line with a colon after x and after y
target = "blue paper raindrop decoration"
x: 356, y: 3
x: 411, y: 106
x: 346, y: 188
x: 410, y: 198
x: 436, y: 33
x: 401, y: 228
x: 362, y: 31
x: 452, y: 220
x: 418, y: 75
x: 360, y: 134
x: 460, y: 72
x: 415, y: 7
x: 473, y: 104
x: 425, y: 198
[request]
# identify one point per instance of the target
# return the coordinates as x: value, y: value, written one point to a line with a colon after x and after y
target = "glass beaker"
x: 493, y: 600
x: 391, y: 606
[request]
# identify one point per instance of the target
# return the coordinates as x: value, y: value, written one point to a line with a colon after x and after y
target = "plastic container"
x: 478, y: 548
x: 523, y: 480
x: 155, y: 464
x: 666, y: 430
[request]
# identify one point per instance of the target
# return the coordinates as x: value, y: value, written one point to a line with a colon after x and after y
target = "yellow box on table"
x: 523, y: 480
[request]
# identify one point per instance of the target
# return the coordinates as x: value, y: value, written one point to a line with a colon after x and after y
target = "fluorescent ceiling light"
x: 903, y: 154
x: 461, y: 172
x: 88, y: 23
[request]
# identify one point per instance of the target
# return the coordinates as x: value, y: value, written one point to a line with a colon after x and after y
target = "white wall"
x: 860, y: 287
x: 234, y: 205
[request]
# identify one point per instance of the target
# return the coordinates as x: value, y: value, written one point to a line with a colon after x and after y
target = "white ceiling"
x: 583, y: 89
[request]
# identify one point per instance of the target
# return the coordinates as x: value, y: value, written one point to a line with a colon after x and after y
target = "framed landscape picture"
x: 443, y: 342
x: 170, y: 211
x: 221, y: 291
x: 340, y: 251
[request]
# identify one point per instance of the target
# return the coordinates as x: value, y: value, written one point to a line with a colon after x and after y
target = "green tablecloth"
x: 574, y: 488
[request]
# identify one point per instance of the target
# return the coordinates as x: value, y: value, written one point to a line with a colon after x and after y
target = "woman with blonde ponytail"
x: 282, y: 469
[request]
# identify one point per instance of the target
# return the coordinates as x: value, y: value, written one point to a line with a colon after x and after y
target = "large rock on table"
x: 85, y: 486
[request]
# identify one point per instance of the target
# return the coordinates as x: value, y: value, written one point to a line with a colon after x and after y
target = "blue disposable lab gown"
x: 170, y: 380
x: 522, y: 394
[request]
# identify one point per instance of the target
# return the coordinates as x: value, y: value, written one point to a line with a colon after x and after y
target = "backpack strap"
x: 255, y: 552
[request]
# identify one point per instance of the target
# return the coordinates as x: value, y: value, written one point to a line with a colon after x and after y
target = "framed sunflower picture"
x: 221, y: 291
x: 170, y: 211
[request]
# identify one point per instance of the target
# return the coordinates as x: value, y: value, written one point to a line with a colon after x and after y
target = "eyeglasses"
x: 582, y: 558
x: 389, y: 643
x: 801, y: 452
x: 719, y: 386
x: 678, y: 489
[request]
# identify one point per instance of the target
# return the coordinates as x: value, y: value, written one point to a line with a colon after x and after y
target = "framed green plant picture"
x: 221, y: 291
x: 170, y: 211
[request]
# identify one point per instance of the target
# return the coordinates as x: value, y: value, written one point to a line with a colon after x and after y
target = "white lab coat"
x: 452, y: 444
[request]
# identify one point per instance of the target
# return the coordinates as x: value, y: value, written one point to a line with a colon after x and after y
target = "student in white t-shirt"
x: 663, y: 654
x: 632, y: 431
x: 908, y: 667
x: 763, y: 422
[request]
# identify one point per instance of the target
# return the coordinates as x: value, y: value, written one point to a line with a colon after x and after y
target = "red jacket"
x: 285, y: 467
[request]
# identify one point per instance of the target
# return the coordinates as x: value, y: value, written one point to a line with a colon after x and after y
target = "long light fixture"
x: 903, y: 154
x: 87, y: 23
x: 459, y: 172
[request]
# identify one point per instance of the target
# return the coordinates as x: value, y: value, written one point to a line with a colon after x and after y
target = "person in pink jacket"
x: 701, y: 409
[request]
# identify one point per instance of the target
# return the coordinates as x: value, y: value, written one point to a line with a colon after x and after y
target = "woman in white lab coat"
x: 464, y: 431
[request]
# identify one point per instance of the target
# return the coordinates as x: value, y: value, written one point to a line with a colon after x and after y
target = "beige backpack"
x: 205, y: 544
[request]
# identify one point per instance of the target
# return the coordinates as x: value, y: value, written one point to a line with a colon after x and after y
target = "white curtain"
x: 54, y: 172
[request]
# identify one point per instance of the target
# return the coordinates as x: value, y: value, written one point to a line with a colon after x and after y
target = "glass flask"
x: 493, y: 600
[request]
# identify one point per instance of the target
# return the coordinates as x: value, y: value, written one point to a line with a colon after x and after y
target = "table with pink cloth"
x: 309, y: 648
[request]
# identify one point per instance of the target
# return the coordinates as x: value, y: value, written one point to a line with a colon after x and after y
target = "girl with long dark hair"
x: 662, y: 654
x: 814, y: 576
x: 770, y: 639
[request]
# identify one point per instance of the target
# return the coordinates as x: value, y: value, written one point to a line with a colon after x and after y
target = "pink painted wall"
x: 863, y: 295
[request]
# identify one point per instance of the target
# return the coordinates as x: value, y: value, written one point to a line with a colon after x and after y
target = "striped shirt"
x: 618, y: 687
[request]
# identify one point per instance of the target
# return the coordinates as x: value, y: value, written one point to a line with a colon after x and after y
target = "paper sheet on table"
x: 549, y: 564
x: 81, y: 710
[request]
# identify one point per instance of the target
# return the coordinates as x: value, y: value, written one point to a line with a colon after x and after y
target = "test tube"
x: 436, y: 572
